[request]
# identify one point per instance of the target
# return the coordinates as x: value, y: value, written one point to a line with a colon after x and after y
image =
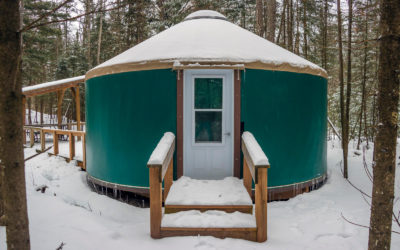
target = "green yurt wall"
x: 126, y: 115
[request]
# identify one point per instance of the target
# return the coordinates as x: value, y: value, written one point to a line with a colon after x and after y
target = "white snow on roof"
x: 53, y: 83
x: 205, y: 14
x: 211, y: 40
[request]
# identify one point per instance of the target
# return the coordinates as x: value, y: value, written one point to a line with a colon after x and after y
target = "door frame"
x: 236, y: 121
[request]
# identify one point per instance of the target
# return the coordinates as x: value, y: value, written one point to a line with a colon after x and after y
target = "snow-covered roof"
x: 206, y: 37
x: 47, y: 87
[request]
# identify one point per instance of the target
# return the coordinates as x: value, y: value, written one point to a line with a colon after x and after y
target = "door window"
x: 208, y: 95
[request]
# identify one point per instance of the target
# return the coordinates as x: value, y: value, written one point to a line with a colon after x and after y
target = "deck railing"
x: 56, y: 132
x: 255, y: 167
x: 160, y: 167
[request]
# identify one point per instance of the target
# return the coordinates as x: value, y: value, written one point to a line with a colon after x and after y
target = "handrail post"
x: 261, y: 199
x: 155, y: 202
x: 247, y: 179
x: 84, y: 151
x: 32, y: 137
x: 168, y: 179
x: 42, y: 140
x: 55, y: 143
x: 71, y: 146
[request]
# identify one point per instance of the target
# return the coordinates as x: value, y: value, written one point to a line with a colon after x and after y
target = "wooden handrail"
x: 55, y: 132
x: 255, y: 167
x: 160, y: 166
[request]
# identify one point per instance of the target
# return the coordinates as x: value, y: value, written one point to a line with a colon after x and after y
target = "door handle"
x: 227, y: 133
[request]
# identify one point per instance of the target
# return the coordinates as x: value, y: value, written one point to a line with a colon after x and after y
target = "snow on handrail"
x: 257, y: 155
x: 161, y: 151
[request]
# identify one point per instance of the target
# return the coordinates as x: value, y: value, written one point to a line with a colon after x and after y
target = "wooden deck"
x: 252, y: 173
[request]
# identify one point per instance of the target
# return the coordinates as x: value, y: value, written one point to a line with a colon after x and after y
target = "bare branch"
x: 29, y: 26
x: 356, y: 224
x: 77, y: 16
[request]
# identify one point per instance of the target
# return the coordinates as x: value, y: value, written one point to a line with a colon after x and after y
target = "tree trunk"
x: 271, y: 17
x: 346, y: 134
x: 259, y: 18
x: 305, y: 49
x: 100, y: 31
x: 297, y: 39
x: 341, y: 81
x: 385, y: 143
x: 290, y: 26
x: 11, y: 145
x: 363, y: 85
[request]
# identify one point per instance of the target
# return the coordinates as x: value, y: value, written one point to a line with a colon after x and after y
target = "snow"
x: 53, y: 83
x: 161, y: 151
x: 257, y: 155
x: 208, y: 40
x: 70, y: 212
x: 212, y: 218
x: 188, y: 191
x: 205, y: 14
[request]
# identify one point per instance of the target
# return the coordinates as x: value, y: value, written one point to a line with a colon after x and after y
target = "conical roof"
x: 206, y: 37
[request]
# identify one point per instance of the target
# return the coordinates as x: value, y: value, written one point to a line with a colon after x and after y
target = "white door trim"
x: 227, y: 141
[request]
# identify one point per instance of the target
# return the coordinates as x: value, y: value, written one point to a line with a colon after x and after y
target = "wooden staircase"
x: 189, y: 215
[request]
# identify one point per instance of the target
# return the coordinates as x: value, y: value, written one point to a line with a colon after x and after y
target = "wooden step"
x: 227, y: 195
x: 248, y: 209
x: 245, y: 233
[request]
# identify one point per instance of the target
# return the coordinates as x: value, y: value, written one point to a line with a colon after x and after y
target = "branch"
x: 77, y: 16
x: 29, y: 26
x: 356, y: 224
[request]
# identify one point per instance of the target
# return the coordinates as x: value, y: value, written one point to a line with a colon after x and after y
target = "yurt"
x: 207, y: 80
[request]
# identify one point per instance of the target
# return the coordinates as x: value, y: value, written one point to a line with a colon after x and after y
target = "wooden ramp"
x: 220, y: 208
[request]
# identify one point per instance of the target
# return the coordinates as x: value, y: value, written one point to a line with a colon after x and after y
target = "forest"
x: 66, y: 38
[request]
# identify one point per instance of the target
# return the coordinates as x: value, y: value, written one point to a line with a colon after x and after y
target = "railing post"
x: 168, y: 179
x: 155, y: 202
x: 32, y: 137
x: 84, y: 151
x: 42, y: 140
x: 71, y: 146
x: 247, y: 179
x: 261, y: 199
x: 55, y: 143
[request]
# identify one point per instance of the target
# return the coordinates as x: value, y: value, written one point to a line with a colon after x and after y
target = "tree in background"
x: 11, y: 149
x: 385, y: 143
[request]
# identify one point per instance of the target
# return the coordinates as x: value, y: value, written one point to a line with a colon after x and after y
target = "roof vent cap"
x: 200, y: 14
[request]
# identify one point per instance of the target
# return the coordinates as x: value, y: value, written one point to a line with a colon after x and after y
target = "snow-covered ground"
x: 71, y: 213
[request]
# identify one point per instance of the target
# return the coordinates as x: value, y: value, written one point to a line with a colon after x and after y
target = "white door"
x: 208, y: 124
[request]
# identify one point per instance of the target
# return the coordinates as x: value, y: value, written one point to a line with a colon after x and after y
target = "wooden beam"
x: 179, y: 123
x: 84, y: 152
x: 60, y: 97
x: 247, y: 179
x: 261, y: 199
x: 55, y: 143
x: 155, y: 202
x: 71, y: 146
x: 237, y: 136
x: 78, y: 110
x: 50, y: 89
x: 238, y: 233
x: 168, y: 179
x: 248, y: 209
x: 42, y: 140
x: 32, y: 137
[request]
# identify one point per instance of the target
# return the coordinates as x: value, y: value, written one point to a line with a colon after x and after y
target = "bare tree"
x: 259, y: 18
x: 11, y: 148
x: 271, y: 17
x: 385, y: 143
x: 341, y: 81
